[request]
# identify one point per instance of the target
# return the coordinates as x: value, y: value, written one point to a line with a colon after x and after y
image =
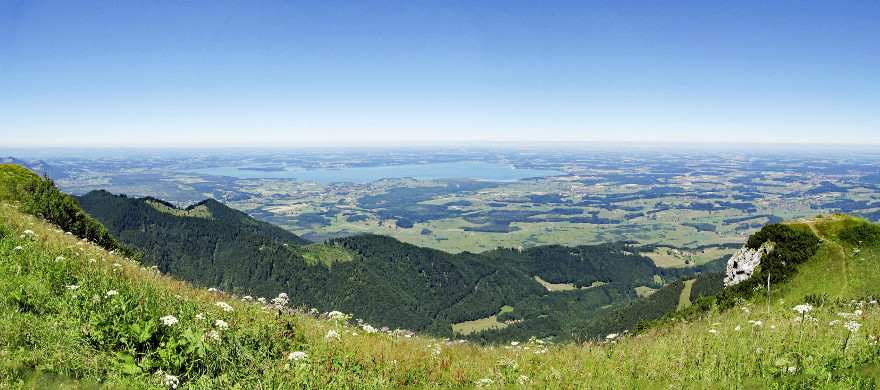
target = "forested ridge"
x: 378, y: 278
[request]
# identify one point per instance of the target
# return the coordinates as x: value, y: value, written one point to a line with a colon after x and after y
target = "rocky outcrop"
x: 742, y: 264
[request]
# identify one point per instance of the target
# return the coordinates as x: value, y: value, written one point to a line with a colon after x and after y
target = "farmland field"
x: 685, y: 207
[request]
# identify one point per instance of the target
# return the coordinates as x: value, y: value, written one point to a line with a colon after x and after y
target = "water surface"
x: 475, y: 170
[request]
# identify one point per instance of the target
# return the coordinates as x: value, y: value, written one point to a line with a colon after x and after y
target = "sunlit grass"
x: 48, y: 334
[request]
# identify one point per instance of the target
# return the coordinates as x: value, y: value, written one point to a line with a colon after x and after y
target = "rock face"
x: 742, y: 264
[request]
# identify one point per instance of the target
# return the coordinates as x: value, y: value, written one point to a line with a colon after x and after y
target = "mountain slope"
x: 381, y: 280
x: 61, y: 325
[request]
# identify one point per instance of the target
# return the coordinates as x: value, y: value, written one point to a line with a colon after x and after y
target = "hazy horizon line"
x: 475, y: 144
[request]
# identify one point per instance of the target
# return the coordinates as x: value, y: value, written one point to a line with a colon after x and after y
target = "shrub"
x: 860, y: 233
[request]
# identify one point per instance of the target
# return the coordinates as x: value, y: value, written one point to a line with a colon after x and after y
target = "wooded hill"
x: 379, y: 279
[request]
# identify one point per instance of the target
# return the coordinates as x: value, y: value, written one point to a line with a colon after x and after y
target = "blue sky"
x: 348, y: 73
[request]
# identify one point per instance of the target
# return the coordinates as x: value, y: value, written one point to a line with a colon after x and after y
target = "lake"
x: 475, y: 170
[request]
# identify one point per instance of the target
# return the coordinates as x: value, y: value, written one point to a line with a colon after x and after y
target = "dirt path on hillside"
x: 845, y: 264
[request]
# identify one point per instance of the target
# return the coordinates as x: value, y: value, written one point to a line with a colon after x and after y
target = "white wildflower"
x: 59, y: 258
x: 369, y: 329
x: 213, y: 335
x: 523, y: 379
x: 112, y: 293
x: 261, y: 300
x: 18, y: 248
x: 713, y: 331
x: 168, y: 320
x: 611, y: 336
x: 225, y: 306
x: 170, y: 381
x: 514, y: 343
x: 72, y: 287
x: 220, y: 324
x: 485, y: 382
x: 738, y: 328
x: 297, y: 356
x: 280, y: 300
x: 331, y: 334
x: 212, y: 289
x: 853, y: 326
x: 247, y: 298
x: 792, y: 369
x: 834, y: 323
x: 337, y: 315
x: 803, y: 308
x: 93, y: 261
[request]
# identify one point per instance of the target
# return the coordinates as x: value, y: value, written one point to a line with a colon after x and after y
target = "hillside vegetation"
x: 75, y: 314
x: 382, y: 280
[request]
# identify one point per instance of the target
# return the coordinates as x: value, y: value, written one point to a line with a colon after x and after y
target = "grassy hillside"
x: 378, y: 278
x: 72, y: 313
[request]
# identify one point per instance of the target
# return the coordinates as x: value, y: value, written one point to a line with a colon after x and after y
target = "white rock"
x: 742, y: 264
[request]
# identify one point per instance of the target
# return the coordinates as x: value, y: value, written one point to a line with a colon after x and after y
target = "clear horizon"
x: 368, y: 74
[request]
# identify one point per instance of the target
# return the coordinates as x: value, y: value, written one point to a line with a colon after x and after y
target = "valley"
x: 702, y: 203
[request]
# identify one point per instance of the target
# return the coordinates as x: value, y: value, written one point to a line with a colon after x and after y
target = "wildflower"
x: 170, y: 381
x: 280, y: 300
x: 72, y: 287
x: 212, y: 289
x: 18, y: 248
x: 247, y: 298
x: 514, y: 343
x: 803, y: 308
x: 336, y: 315
x: 28, y: 232
x: 213, y: 335
x: 168, y: 320
x: 738, y: 328
x: 611, y: 336
x: 331, y: 334
x: 792, y: 369
x: 225, y: 306
x: 713, y: 331
x: 220, y: 324
x: 297, y: 356
x: 117, y: 265
x: 200, y: 316
x: 485, y: 382
x: 112, y: 293
x: 59, y: 258
x: 261, y: 300
x: 523, y: 379
x: 756, y: 322
x: 93, y: 261
x: 853, y: 326
x: 369, y: 329
x: 834, y: 323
